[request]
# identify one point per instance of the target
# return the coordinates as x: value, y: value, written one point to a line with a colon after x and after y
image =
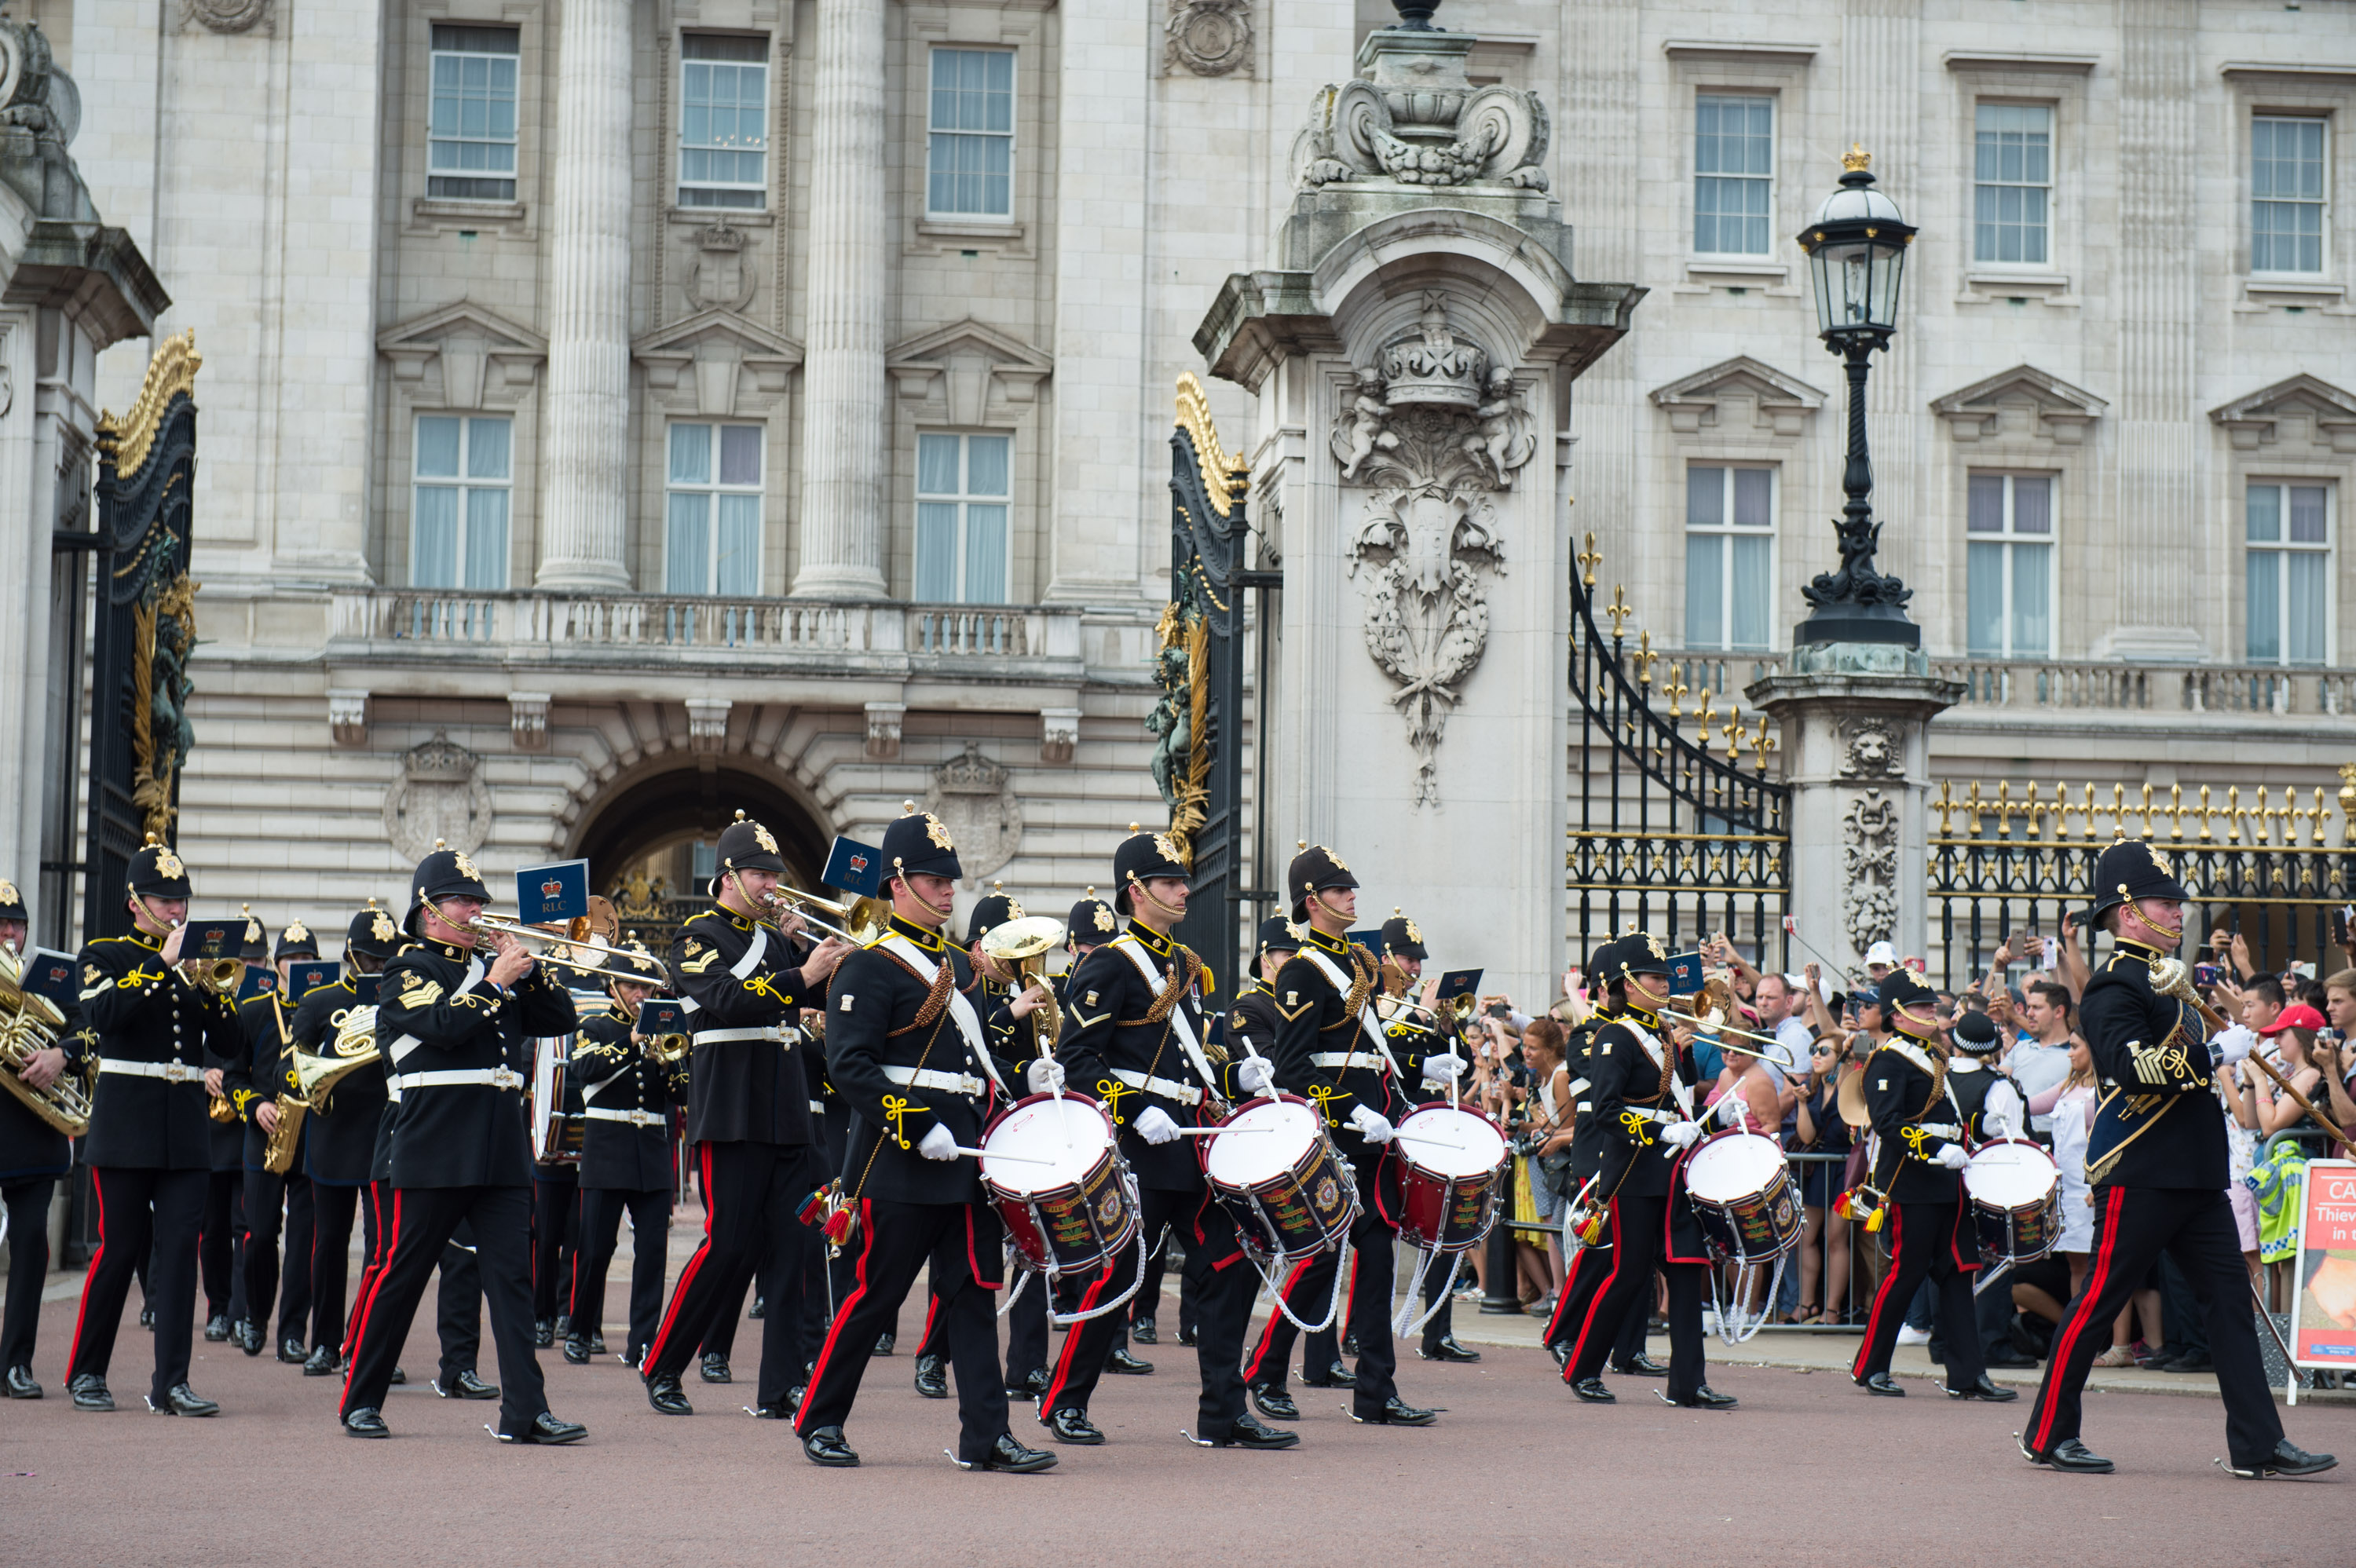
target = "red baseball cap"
x: 2298, y: 1015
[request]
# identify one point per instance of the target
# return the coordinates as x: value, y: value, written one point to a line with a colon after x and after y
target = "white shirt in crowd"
x: 1792, y: 1038
x: 2037, y: 1068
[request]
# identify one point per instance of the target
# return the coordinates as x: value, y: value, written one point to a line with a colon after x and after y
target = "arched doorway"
x: 651, y: 843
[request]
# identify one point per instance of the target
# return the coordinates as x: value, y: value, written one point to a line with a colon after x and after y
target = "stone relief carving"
x: 229, y: 16
x: 439, y: 794
x: 1443, y: 133
x: 721, y: 275
x: 1208, y: 38
x: 1870, y: 864
x: 1875, y: 749
x: 974, y: 797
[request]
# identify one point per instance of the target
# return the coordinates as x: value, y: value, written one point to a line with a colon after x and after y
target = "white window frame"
x: 2010, y: 541
x: 511, y: 141
x: 1724, y: 532
x: 1766, y: 183
x: 964, y: 498
x: 2047, y: 185
x: 688, y: 193
x: 2322, y: 203
x: 934, y: 133
x: 710, y: 492
x: 2279, y: 550
x: 464, y: 485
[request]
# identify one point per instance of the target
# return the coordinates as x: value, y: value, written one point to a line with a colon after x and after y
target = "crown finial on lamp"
x: 1857, y: 160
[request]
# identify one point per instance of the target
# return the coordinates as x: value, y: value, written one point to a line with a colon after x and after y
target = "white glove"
x: 2235, y: 1043
x: 1730, y: 1109
x: 1044, y: 1076
x: 1953, y: 1157
x: 1681, y: 1135
x: 1440, y: 1072
x: 2001, y: 1126
x: 1256, y: 1074
x: 937, y: 1144
x: 1155, y: 1127
x: 1372, y: 1125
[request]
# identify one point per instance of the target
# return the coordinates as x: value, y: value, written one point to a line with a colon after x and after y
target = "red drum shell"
x: 1442, y: 1213
x: 1076, y: 1226
x: 1299, y: 1208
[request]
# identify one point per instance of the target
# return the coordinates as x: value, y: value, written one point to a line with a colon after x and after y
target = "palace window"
x: 962, y: 489
x: 713, y: 510
x: 2288, y: 529
x: 2008, y: 566
x: 724, y: 128
x: 458, y: 526
x: 2012, y: 189
x: 1730, y: 558
x: 471, y: 135
x: 1734, y: 165
x: 2285, y: 195
x: 969, y: 156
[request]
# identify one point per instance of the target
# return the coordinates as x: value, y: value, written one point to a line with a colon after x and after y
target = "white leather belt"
x: 777, y: 1032
x: 636, y: 1118
x: 1330, y: 1059
x: 496, y: 1077
x: 170, y: 1072
x: 1664, y: 1117
x: 927, y: 1078
x: 1168, y: 1088
x: 1942, y: 1129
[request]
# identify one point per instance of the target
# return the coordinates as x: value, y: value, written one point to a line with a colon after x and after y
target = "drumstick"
x: 1014, y: 1158
x: 1215, y: 1132
x: 1436, y: 1142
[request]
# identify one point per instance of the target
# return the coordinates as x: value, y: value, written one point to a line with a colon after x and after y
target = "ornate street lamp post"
x: 1857, y: 252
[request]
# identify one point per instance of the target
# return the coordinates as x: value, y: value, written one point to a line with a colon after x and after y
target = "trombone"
x: 861, y: 914
x: 556, y: 948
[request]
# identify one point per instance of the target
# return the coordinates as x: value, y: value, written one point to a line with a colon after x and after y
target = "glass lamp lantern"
x: 1857, y: 251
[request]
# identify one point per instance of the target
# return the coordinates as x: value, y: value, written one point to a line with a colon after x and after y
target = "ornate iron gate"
x: 1665, y: 834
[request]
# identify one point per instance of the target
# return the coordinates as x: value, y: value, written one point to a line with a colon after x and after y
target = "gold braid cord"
x: 172, y: 371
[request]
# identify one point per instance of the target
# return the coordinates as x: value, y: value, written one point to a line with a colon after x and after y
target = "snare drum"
x: 2016, y: 1195
x: 1290, y: 1194
x: 1078, y: 1210
x: 1744, y: 1195
x: 1449, y: 1160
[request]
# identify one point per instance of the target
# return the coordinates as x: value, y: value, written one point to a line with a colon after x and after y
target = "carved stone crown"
x: 970, y: 773
x: 1434, y: 368
x: 721, y: 237
x: 440, y: 761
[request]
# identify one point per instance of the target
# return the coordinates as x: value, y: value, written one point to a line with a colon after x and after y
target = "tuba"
x: 354, y: 1046
x: 29, y: 1025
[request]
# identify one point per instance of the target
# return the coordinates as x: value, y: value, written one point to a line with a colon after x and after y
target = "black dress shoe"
x: 826, y: 1446
x: 1274, y: 1400
x: 1072, y: 1425
x: 547, y: 1431
x: 884, y: 1343
x: 19, y: 1384
x: 1446, y: 1349
x: 2004, y: 1355
x: 322, y: 1362
x: 291, y: 1351
x: 1592, y: 1390
x: 146, y: 1317
x: 1561, y: 1350
x: 1337, y: 1375
x: 366, y: 1422
x: 760, y: 1309
x: 543, y: 1332
x: 1127, y: 1365
x: 665, y: 1395
x: 1013, y: 1458
x: 1882, y: 1383
x: 249, y: 1338
x: 932, y: 1378
x: 1350, y: 1345
x: 2192, y: 1362
x: 2069, y: 1454
x: 2286, y: 1460
x: 217, y: 1327
x: 88, y: 1391
x: 715, y: 1368
x: 576, y: 1350
x: 1704, y: 1398
x: 1984, y: 1389
x: 1249, y: 1431
x: 1641, y: 1365
x: 564, y: 1324
x: 596, y: 1344
x: 1396, y: 1411
x: 1142, y: 1331
x: 1031, y: 1386
x: 1187, y: 1334
x: 466, y: 1385
x: 182, y: 1400
x: 400, y: 1377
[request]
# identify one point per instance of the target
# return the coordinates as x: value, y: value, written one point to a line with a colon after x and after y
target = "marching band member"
x: 1330, y: 1049
x: 459, y: 1032
x: 33, y: 1155
x: 1920, y: 1134
x: 2156, y: 1159
x: 1251, y: 1026
x: 148, y: 1147
x: 1593, y: 1264
x: 262, y: 1069
x: 904, y: 1049
x: 1642, y: 1089
x: 339, y: 1137
x: 626, y: 1097
x: 1136, y: 1044
x: 743, y: 983
x: 1420, y: 1035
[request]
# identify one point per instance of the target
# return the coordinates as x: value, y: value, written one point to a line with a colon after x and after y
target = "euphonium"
x: 29, y: 1025
x: 354, y: 1046
x: 278, y: 1153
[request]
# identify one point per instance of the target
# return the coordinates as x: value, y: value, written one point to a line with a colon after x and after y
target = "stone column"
x: 846, y: 418
x: 586, y: 464
x: 1855, y: 721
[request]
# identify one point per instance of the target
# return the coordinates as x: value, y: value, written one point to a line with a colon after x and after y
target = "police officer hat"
x: 1092, y: 922
x: 297, y: 942
x: 1975, y: 1033
x: 12, y: 902
x: 639, y: 967
x: 1278, y: 934
x: 1402, y: 939
x: 1143, y: 857
x: 158, y: 873
x: 372, y: 934
x: 1638, y: 952
x: 746, y: 845
x: 2130, y: 870
x: 994, y: 910
x: 1315, y: 870
x: 919, y: 843
x: 446, y: 873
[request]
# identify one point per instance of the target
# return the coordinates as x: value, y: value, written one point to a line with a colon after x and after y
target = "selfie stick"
x: 1792, y: 930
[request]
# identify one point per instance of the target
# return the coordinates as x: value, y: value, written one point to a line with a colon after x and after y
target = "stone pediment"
x: 715, y: 344
x: 468, y: 340
x: 963, y: 360
x: 1779, y: 402
x: 2257, y: 419
x: 2051, y: 407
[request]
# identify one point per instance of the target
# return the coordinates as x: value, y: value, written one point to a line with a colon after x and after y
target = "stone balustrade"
x: 2083, y: 685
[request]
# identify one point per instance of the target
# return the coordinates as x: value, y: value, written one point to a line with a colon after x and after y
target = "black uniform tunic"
x: 339, y: 1139
x: 438, y: 1013
x: 615, y: 1074
x: 142, y: 1012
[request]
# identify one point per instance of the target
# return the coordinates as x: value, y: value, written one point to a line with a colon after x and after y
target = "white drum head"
x: 1726, y: 1169
x: 1483, y: 1147
x: 1069, y: 1134
x: 1257, y: 1156
x: 2010, y: 1175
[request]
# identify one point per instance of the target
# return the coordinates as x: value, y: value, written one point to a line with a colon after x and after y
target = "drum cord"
x: 1746, y: 1328
x: 1065, y: 1321
x: 1332, y: 1307
x: 1400, y: 1326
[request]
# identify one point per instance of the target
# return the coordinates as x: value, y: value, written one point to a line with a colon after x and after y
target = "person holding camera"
x: 1825, y: 1231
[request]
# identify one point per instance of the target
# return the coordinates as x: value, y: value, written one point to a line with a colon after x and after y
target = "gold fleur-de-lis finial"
x: 1589, y: 559
x: 1619, y: 610
x: 1857, y: 160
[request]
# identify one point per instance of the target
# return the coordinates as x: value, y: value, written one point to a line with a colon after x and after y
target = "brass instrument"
x: 1023, y: 945
x: 278, y: 1153
x: 573, y: 948
x: 219, y: 1109
x: 859, y: 920
x: 669, y: 1049
x: 221, y: 976
x: 30, y: 1025
x: 317, y: 1073
x: 1714, y: 1004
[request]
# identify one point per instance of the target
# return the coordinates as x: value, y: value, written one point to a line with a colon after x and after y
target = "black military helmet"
x: 634, y: 964
x: 1975, y: 1033
x: 1638, y: 952
x: 745, y: 846
x: 297, y: 942
x: 255, y: 946
x: 1143, y: 857
x: 918, y: 843
x: 2130, y: 869
x: 1402, y: 939
x: 1902, y: 988
x: 993, y: 910
x: 372, y: 934
x: 12, y: 902
x: 1315, y: 870
x: 1092, y: 922
x: 1278, y: 934
x: 158, y: 872
x: 446, y: 873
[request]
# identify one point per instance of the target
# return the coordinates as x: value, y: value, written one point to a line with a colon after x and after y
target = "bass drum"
x: 1449, y: 1160
x: 1290, y: 1194
x: 1052, y: 1170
